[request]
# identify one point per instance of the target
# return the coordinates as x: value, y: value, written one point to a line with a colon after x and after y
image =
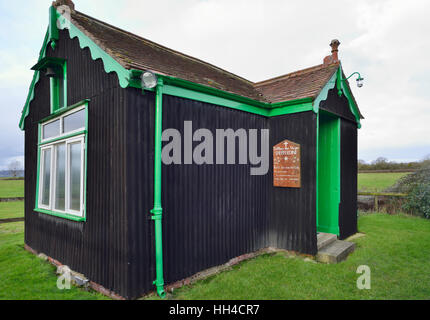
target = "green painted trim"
x: 86, y: 156
x: 177, y: 82
x: 204, y: 97
x: 47, y: 62
x: 336, y: 81
x: 54, y: 35
x: 291, y: 102
x: 64, y: 110
x: 109, y: 63
x: 328, y: 173
x: 39, y: 129
x: 157, y: 211
x: 304, y: 107
x: 348, y: 94
x: 189, y: 90
x: 328, y: 229
x: 61, y: 215
x: 35, y: 80
x: 40, y: 144
x: 324, y: 92
x: 67, y: 136
x: 317, y: 168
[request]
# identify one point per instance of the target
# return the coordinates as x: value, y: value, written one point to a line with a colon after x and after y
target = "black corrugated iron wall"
x: 349, y: 169
x: 212, y: 213
x: 98, y: 247
x: 292, y: 210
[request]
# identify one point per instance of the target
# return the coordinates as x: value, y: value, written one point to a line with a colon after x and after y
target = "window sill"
x: 61, y: 215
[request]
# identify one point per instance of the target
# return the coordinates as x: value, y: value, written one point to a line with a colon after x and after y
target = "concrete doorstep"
x: 331, y: 250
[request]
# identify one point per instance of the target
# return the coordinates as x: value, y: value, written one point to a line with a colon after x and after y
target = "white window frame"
x: 61, y: 118
x: 42, y: 176
x: 51, y: 146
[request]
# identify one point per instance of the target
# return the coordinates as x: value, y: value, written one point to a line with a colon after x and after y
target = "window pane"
x: 75, y: 151
x: 46, y: 163
x: 51, y: 130
x: 60, y: 176
x: 74, y: 121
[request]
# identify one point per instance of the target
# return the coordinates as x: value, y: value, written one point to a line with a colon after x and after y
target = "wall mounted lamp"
x: 359, y: 79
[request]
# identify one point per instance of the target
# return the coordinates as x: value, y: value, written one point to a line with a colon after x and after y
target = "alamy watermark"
x: 364, y: 281
x: 224, y: 146
x: 65, y: 279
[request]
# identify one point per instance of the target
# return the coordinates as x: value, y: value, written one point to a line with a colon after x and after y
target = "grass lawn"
x: 377, y: 182
x: 11, y: 188
x: 396, y: 248
x: 23, y: 276
x: 10, y: 210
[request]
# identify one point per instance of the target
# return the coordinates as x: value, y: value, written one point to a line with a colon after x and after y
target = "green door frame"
x: 328, y: 172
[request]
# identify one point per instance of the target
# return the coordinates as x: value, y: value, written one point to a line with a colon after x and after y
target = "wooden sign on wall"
x: 286, y: 165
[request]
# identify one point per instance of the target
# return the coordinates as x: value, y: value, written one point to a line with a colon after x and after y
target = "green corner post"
x: 157, y: 211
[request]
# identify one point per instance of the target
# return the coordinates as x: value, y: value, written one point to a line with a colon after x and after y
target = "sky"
x: 385, y: 40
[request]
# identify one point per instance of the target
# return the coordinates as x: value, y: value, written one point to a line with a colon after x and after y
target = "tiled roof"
x: 300, y: 84
x: 134, y: 52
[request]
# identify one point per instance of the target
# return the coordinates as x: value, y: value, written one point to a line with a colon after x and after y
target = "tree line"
x: 384, y: 164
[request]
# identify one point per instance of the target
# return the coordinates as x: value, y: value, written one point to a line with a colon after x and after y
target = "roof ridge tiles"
x: 295, y: 73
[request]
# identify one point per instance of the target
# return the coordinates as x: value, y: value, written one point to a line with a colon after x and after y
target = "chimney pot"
x: 334, y: 58
x: 68, y: 3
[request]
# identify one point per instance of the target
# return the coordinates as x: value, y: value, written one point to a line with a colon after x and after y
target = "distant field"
x: 9, y: 210
x: 378, y: 182
x: 11, y: 188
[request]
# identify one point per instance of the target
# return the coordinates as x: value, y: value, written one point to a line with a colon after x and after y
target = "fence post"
x: 376, y: 204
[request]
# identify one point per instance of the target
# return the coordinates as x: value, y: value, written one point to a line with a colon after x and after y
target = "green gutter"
x: 157, y: 211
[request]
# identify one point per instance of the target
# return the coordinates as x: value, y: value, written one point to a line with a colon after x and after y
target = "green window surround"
x: 56, y: 69
x: 61, y: 163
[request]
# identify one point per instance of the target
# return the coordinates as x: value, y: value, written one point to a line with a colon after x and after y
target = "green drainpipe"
x: 157, y: 212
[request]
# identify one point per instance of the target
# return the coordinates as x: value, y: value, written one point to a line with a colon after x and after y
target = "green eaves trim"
x: 348, y: 94
x: 35, y: 80
x: 109, y: 63
x: 208, y: 98
x: 190, y: 90
x: 324, y: 92
x: 335, y: 81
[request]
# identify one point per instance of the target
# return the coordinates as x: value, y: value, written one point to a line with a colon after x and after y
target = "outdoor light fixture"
x: 359, y: 79
x: 148, y: 80
x: 360, y: 82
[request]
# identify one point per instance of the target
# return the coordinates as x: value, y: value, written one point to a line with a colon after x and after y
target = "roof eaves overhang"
x: 175, y: 86
x: 343, y: 87
x: 57, y: 22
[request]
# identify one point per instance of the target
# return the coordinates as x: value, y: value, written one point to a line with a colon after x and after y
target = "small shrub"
x: 417, y: 186
x: 419, y: 200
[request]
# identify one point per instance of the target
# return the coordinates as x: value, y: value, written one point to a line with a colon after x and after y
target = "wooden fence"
x: 376, y: 195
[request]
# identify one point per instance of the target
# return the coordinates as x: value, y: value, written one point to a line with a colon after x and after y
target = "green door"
x: 328, y: 174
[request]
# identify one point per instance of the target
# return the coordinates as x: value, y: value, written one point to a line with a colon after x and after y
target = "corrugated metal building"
x: 93, y: 122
